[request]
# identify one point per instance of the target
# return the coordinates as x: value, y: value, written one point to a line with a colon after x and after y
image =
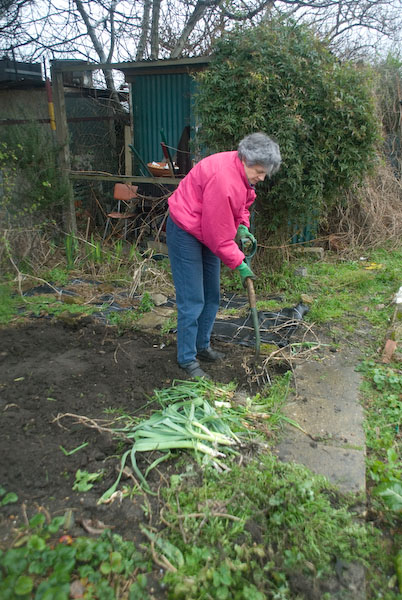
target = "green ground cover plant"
x: 340, y: 289
x: 48, y: 304
x: 382, y: 398
x: 45, y: 565
x: 7, y: 497
x: 14, y: 306
x: 84, y: 481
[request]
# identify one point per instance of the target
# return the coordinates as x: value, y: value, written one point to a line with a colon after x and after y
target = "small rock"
x: 315, y: 251
x: 76, y: 589
x: 154, y: 319
x: 158, y: 299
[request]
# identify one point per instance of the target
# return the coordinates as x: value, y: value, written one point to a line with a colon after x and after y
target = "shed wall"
x: 160, y: 101
x: 23, y: 104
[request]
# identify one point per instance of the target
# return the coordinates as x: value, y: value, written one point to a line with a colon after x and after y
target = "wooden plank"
x: 123, y: 178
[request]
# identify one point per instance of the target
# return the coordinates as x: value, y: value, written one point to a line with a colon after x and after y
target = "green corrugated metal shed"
x: 161, y: 96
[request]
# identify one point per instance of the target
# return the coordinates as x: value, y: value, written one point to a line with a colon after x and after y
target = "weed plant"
x: 126, y: 320
x: 382, y: 398
x: 41, y: 565
x: 57, y: 276
x: 250, y: 533
x: 382, y: 392
x: 47, y: 304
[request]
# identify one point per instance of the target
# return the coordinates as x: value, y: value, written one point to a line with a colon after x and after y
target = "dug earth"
x: 55, y: 378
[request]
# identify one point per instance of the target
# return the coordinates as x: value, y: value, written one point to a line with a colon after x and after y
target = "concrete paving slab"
x: 326, y: 406
x: 344, y: 467
x: 334, y: 378
x: 338, y: 421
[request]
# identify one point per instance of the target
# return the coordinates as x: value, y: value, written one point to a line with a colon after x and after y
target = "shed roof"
x: 143, y: 67
x: 155, y: 67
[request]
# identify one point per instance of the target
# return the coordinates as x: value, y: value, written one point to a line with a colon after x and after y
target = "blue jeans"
x: 196, y: 276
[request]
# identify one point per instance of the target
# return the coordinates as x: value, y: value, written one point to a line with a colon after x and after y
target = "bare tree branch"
x: 197, y: 14
x: 10, y: 11
x: 121, y: 30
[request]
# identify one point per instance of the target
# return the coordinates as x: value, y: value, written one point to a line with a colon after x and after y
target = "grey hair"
x: 259, y: 149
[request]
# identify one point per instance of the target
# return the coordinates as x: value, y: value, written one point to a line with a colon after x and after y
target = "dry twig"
x: 91, y: 423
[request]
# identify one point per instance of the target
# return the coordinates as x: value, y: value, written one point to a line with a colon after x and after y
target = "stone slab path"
x: 326, y: 406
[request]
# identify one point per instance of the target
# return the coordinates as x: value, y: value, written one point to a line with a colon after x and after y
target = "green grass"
x: 127, y: 319
x: 49, y: 305
x: 249, y: 533
x: 341, y: 290
x: 8, y: 304
x: 13, y: 306
x: 57, y: 275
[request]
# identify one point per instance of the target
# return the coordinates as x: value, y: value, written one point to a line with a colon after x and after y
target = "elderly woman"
x: 206, y: 212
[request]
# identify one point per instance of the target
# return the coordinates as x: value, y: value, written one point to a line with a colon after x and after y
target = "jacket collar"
x: 242, y: 172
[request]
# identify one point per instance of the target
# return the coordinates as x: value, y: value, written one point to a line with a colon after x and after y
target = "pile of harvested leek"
x: 187, y: 421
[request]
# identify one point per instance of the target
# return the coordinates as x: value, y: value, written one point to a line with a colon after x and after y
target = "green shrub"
x: 279, y: 78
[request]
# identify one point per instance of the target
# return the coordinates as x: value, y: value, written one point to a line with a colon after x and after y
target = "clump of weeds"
x: 249, y: 532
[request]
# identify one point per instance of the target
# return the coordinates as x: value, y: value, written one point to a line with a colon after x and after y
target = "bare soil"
x: 50, y: 368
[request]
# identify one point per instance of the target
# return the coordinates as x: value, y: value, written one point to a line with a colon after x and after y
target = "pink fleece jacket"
x: 211, y: 202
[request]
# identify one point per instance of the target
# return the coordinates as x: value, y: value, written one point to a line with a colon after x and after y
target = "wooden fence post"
x: 69, y: 217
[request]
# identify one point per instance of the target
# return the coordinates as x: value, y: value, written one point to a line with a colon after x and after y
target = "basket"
x: 160, y: 169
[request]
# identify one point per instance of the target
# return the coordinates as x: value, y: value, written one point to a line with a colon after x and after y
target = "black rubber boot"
x: 193, y: 369
x: 210, y: 355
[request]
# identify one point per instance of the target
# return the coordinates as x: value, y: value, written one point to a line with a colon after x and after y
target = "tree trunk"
x: 196, y: 15
x: 144, y: 31
x: 99, y: 50
x: 156, y: 6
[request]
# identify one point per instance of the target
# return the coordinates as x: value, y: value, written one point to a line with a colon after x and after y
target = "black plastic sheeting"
x: 106, y: 302
x: 275, y: 327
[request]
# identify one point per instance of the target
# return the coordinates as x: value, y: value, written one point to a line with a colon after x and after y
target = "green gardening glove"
x: 244, y: 233
x: 245, y: 271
